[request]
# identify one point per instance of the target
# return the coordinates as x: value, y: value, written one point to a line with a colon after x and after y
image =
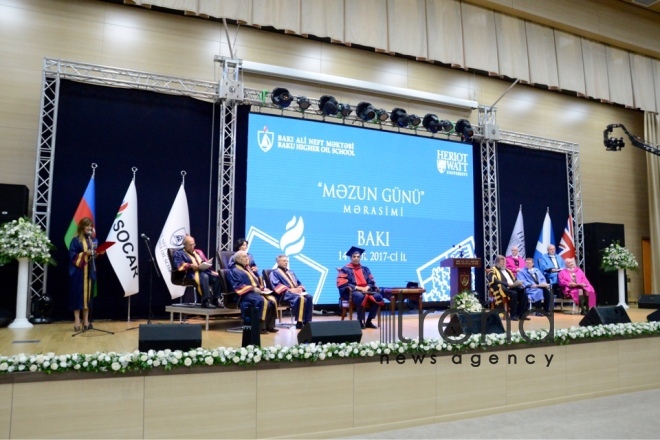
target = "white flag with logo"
x: 177, y: 226
x: 517, y: 236
x: 546, y: 237
x: 123, y: 255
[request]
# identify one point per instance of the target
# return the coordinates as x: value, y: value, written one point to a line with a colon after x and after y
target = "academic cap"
x: 353, y: 250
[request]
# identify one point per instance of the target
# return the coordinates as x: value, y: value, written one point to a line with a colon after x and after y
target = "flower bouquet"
x: 467, y: 301
x: 617, y: 257
x: 23, y: 239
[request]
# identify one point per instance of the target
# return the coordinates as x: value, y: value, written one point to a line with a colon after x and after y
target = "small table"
x: 186, y: 310
x: 389, y: 323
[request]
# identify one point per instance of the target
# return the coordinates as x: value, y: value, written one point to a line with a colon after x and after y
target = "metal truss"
x: 133, y: 79
x: 43, y: 170
x: 231, y: 93
x: 490, y: 135
x: 489, y: 192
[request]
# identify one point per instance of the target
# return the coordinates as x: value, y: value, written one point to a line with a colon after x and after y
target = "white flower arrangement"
x: 467, y: 301
x: 617, y: 257
x: 248, y: 356
x: 23, y: 239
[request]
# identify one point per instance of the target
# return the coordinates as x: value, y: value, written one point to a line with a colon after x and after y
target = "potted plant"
x: 467, y: 301
x: 618, y: 258
x: 23, y: 241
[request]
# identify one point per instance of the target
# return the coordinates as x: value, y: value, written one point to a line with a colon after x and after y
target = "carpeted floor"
x: 624, y: 416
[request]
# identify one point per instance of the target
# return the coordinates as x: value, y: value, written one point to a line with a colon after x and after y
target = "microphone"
x: 144, y: 237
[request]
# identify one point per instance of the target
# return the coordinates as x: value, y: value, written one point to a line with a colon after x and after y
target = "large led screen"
x: 315, y: 189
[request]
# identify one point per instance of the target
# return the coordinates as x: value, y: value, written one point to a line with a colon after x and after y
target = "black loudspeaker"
x: 173, y: 336
x: 653, y: 317
x: 605, y: 315
x: 13, y: 202
x: 460, y: 324
x: 330, y: 331
x: 597, y: 236
x: 649, y: 302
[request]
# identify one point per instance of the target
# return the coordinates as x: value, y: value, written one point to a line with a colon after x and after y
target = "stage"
x: 332, y: 398
x: 57, y: 337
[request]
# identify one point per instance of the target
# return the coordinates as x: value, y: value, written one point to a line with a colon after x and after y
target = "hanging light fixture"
x: 365, y: 111
x: 328, y: 105
x: 400, y: 117
x: 281, y: 97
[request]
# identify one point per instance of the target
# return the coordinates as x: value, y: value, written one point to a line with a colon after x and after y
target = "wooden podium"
x: 460, y: 278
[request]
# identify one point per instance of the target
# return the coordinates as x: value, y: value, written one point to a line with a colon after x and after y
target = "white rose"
x: 115, y: 366
x: 187, y: 362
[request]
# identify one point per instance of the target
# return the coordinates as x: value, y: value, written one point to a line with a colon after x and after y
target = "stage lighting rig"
x: 614, y: 144
x: 400, y: 117
x: 345, y: 110
x: 281, y: 97
x: 328, y: 105
x: 303, y: 103
x: 415, y: 120
x: 382, y: 115
x: 464, y: 128
x: 365, y: 111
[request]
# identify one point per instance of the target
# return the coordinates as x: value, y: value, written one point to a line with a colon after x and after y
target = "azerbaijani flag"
x: 86, y: 208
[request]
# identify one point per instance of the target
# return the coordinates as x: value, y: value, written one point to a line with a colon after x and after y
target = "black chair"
x: 230, y: 299
x: 178, y: 278
x: 281, y: 305
x: 223, y: 258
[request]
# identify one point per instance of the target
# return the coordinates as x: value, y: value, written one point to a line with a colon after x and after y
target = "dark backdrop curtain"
x: 119, y: 129
x: 537, y: 180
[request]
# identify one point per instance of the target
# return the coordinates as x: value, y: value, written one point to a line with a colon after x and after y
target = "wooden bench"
x: 198, y: 310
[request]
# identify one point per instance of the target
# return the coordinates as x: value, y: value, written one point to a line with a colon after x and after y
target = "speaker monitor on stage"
x: 654, y: 317
x: 330, y: 331
x: 173, y: 336
x: 605, y: 315
x: 460, y: 324
x: 649, y: 302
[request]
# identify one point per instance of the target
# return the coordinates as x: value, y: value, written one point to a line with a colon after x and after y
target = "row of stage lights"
x: 329, y: 106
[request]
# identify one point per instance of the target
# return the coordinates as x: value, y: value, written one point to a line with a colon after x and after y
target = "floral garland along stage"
x: 167, y: 359
x: 617, y: 257
x: 23, y: 239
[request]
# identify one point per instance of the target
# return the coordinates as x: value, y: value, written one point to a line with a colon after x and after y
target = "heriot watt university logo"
x: 265, y: 139
x: 452, y: 163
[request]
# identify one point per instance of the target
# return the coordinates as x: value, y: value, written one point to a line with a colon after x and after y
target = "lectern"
x: 460, y: 275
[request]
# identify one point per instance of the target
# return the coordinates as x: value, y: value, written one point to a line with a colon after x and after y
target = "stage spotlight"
x: 446, y: 125
x: 382, y: 115
x: 431, y: 123
x: 400, y: 117
x: 281, y: 97
x: 365, y: 111
x: 464, y: 128
x: 345, y: 110
x: 42, y: 310
x: 303, y: 103
x: 415, y: 120
x: 328, y: 105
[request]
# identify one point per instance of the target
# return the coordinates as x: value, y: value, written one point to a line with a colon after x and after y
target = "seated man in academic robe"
x: 290, y: 289
x: 505, y: 288
x: 536, y: 286
x: 253, y: 294
x: 356, y: 281
x: 188, y: 260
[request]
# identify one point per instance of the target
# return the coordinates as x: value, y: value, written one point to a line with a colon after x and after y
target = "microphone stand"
x: 152, y: 266
x: 92, y: 263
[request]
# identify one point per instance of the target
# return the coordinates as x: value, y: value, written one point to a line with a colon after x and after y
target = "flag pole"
x: 134, y: 169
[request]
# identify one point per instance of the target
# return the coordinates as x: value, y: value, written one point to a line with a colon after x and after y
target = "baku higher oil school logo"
x: 265, y: 139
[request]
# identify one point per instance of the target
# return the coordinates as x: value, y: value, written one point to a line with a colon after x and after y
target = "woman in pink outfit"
x: 575, y: 284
